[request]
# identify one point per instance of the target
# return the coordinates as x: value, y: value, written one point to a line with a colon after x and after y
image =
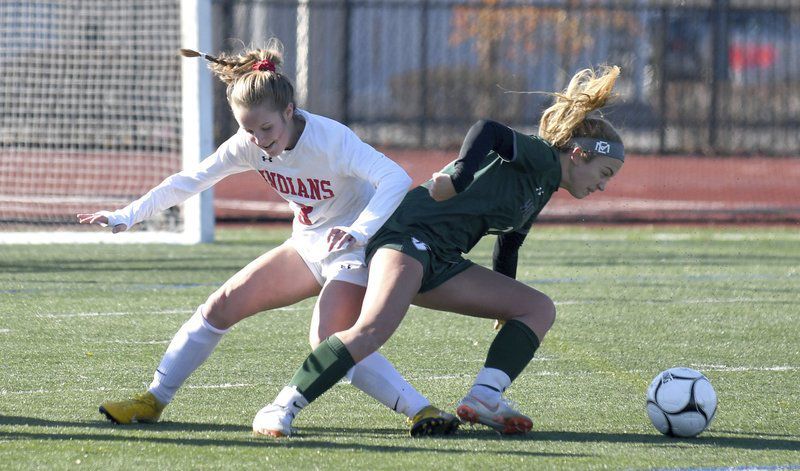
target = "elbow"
x: 483, y: 125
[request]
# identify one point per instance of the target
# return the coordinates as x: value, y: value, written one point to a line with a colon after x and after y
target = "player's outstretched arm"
x: 101, y: 218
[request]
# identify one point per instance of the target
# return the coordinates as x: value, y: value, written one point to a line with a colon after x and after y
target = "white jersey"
x: 330, y: 178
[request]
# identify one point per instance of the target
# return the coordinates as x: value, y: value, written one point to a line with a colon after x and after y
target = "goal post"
x: 197, y: 115
x: 97, y: 108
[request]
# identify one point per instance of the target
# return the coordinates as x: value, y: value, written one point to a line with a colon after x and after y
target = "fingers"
x: 93, y: 218
x: 346, y: 241
x: 338, y: 239
x: 100, y: 218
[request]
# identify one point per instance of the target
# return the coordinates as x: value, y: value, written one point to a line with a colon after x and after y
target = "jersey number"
x: 303, y: 215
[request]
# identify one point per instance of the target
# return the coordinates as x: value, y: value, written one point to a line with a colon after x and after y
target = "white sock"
x: 291, y: 398
x: 490, y: 384
x: 190, y: 347
x: 378, y: 378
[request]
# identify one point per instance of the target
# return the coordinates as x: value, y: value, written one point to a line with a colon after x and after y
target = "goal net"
x: 97, y: 108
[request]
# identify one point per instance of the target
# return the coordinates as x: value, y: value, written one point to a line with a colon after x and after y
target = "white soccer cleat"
x: 499, y: 415
x: 274, y: 421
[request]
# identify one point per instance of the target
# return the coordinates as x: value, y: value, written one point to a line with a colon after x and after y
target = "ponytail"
x: 588, y: 90
x: 253, y: 77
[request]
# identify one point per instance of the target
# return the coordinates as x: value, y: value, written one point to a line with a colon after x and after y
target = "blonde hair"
x: 588, y: 90
x: 248, y: 84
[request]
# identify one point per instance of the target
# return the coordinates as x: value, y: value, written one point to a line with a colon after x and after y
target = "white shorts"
x: 346, y: 265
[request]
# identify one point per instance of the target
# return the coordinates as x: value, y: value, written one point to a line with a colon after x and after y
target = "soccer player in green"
x: 498, y: 185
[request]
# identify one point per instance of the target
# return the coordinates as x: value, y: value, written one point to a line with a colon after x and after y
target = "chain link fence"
x: 715, y: 77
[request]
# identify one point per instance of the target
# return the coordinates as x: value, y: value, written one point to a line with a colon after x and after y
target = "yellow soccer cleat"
x: 142, y: 408
x: 433, y: 421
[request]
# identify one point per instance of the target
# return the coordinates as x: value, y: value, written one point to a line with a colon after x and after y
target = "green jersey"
x: 504, y: 196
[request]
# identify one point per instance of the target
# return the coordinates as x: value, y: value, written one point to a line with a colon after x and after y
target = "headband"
x: 615, y: 150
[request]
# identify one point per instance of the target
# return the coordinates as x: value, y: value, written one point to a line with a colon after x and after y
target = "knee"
x: 540, y: 313
x: 548, y: 311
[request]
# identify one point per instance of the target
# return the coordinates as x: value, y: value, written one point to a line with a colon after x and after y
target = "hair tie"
x: 264, y: 65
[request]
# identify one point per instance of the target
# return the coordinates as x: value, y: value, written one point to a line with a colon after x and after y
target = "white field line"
x: 672, y: 301
x: 656, y: 278
x: 723, y: 368
x: 298, y: 308
x: 744, y: 368
x: 220, y: 386
x: 5, y: 331
x: 128, y: 313
x: 5, y: 392
x: 759, y: 467
x: 708, y: 301
x: 108, y: 314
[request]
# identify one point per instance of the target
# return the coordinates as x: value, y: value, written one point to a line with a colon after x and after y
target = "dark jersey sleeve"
x: 506, y: 249
x: 483, y: 137
x: 534, y: 155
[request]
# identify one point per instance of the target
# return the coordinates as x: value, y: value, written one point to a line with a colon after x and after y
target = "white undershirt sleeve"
x: 228, y: 159
x: 391, y: 184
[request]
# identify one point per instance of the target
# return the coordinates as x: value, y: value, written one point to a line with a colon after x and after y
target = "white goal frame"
x: 197, y: 142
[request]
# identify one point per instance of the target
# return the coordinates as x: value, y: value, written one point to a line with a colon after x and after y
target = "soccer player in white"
x: 341, y: 191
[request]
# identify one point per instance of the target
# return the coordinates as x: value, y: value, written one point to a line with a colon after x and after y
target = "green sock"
x: 512, y: 349
x: 326, y: 365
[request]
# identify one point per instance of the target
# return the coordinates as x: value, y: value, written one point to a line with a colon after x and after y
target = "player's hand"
x: 101, y: 219
x: 339, y: 239
x: 498, y: 324
x: 442, y: 187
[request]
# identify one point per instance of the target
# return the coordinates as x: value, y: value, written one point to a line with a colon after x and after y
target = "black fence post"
x: 719, y: 66
x: 346, y: 61
x: 423, y: 76
x: 662, y: 81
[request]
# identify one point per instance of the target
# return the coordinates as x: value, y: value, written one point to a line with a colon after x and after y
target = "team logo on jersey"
x: 539, y: 191
x: 311, y: 188
x: 264, y: 158
x: 419, y: 245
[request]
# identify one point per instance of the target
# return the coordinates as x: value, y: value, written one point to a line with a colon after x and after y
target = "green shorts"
x: 435, y: 269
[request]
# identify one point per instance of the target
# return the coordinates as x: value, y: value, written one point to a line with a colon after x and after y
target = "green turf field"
x: 82, y: 324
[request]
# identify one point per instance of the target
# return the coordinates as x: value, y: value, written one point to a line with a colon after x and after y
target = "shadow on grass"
x: 753, y: 442
x: 308, y: 438
x: 324, y: 437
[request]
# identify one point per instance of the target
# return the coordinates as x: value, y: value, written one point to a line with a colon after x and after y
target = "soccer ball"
x: 681, y: 402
